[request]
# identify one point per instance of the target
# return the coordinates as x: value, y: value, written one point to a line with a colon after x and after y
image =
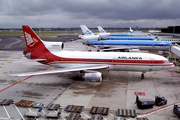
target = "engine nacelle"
x: 92, y: 76
x: 54, y: 46
x: 134, y: 50
x: 103, y: 46
x: 28, y: 55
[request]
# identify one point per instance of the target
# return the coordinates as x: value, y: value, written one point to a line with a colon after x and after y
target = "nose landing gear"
x: 142, y: 75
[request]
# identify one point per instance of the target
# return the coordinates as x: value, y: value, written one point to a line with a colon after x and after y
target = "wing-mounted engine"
x: 54, y: 46
x: 92, y: 76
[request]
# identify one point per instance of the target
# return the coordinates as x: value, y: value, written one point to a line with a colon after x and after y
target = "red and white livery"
x: 52, y: 53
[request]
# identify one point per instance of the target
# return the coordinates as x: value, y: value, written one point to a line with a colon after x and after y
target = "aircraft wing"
x: 29, y: 60
x: 61, y: 70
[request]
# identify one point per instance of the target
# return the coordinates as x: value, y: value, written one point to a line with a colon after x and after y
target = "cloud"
x: 72, y: 13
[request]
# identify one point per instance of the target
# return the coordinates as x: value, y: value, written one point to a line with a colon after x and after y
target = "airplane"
x: 129, y: 38
x: 107, y: 45
x: 52, y: 53
x: 130, y: 30
x: 88, y: 35
x: 125, y: 36
x: 101, y: 30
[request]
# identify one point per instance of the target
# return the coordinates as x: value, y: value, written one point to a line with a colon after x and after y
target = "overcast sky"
x: 72, y: 13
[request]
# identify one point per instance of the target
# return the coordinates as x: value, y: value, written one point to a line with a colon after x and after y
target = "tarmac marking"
x: 22, y: 44
x: 111, y: 114
x: 9, y: 45
x: 15, y: 83
x: 43, y: 111
x: 104, y: 118
x: 156, y: 110
x: 86, y: 48
x: 62, y: 117
x: 6, y: 112
x: 48, y: 81
x: 29, y: 109
x: 19, y: 112
x: 7, y: 61
x: 168, y: 75
x: 19, y: 82
x: 139, y: 93
x: 86, y: 115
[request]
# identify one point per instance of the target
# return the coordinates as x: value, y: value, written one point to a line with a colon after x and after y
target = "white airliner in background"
x: 88, y: 35
x: 102, y: 32
x: 52, y: 53
x: 130, y: 30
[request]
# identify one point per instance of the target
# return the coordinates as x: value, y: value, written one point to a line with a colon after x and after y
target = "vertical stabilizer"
x: 31, y: 38
x: 35, y: 46
x: 101, y: 30
x: 130, y: 30
x: 85, y: 30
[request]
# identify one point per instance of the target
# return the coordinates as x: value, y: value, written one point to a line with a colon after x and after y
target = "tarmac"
x: 117, y: 90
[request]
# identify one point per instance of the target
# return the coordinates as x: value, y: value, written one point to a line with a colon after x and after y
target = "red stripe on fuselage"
x: 107, y: 61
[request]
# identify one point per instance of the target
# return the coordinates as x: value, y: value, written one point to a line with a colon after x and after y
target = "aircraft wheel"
x: 142, y: 76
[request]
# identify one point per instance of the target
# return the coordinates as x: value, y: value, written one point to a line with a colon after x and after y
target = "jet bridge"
x: 174, y: 51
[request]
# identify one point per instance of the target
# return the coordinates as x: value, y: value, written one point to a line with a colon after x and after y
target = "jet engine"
x: 54, y: 46
x: 28, y: 55
x: 134, y: 50
x: 92, y: 76
x: 51, y: 46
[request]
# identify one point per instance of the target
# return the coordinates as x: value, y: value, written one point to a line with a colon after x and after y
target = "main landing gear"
x: 142, y: 75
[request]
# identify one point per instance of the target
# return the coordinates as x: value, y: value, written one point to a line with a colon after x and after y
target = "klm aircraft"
x: 101, y: 30
x: 126, y: 45
x: 129, y: 38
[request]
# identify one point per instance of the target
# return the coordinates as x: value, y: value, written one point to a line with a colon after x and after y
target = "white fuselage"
x: 122, y: 61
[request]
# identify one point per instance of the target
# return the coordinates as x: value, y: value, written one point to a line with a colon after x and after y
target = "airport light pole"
x: 39, y: 29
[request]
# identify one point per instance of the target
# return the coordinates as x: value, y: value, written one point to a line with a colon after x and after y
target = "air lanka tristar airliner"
x: 51, y: 53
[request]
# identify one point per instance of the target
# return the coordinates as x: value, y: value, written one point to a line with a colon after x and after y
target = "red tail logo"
x: 30, y: 41
x: 31, y: 37
x: 34, y: 44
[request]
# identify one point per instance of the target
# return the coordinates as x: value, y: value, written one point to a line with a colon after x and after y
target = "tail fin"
x: 35, y: 46
x: 101, y: 30
x: 85, y: 30
x: 130, y: 30
x: 31, y: 38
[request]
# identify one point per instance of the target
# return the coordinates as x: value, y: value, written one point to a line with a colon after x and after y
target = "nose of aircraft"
x: 168, y: 66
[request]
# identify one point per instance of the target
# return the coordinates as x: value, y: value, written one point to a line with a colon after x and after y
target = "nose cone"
x: 168, y: 66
